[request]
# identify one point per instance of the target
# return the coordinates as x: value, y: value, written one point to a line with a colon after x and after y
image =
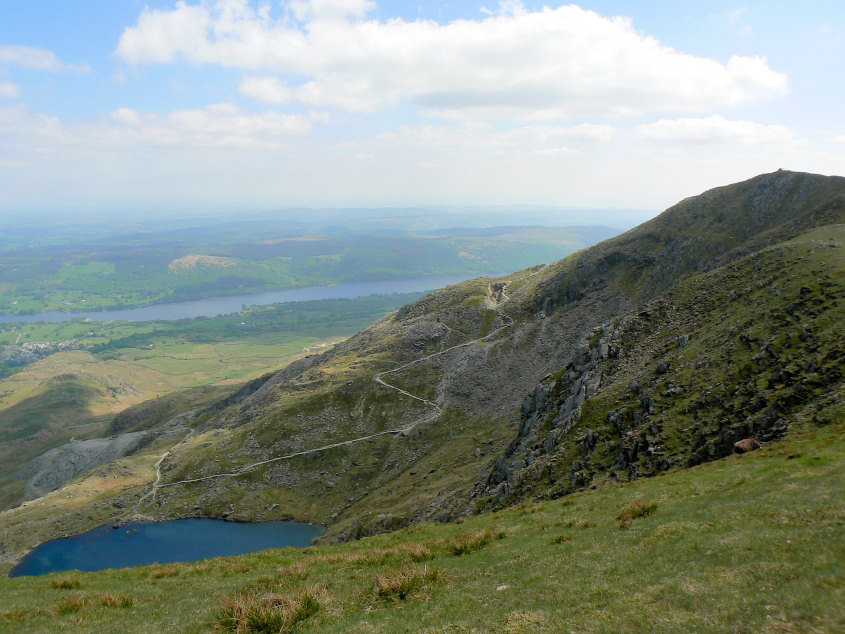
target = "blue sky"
x: 140, y: 107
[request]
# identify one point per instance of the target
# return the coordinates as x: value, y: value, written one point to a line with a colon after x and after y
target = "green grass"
x: 137, y: 361
x: 115, y: 273
x: 748, y: 543
x: 763, y: 354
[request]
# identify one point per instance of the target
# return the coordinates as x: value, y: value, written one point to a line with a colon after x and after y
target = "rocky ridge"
x: 747, y: 350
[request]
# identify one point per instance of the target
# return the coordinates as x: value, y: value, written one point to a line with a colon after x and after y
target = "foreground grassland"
x: 748, y: 543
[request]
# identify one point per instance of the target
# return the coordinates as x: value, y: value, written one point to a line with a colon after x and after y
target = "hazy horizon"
x: 470, y: 216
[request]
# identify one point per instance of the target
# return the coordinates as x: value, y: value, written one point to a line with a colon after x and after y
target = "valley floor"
x: 748, y: 543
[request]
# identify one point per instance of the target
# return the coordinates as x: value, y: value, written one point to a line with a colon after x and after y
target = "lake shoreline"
x: 234, y: 303
x: 134, y: 524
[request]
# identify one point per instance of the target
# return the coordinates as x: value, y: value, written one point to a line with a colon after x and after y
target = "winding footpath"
x: 156, y: 484
x: 491, y: 302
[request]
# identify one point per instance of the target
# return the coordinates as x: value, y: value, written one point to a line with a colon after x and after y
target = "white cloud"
x: 36, y: 59
x: 127, y: 116
x: 535, y: 139
x: 519, y: 64
x: 8, y: 90
x: 840, y: 138
x: 589, y: 132
x: 309, y: 9
x: 737, y: 14
x: 218, y: 125
x: 266, y: 89
x: 215, y: 126
x: 713, y: 129
x: 555, y: 151
x: 17, y: 121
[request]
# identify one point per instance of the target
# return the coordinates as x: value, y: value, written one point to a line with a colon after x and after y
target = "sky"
x: 160, y: 107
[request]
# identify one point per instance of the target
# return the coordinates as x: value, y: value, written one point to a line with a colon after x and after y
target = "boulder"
x: 745, y: 445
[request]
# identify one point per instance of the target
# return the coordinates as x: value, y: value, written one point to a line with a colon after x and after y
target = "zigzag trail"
x: 490, y: 302
x: 156, y: 484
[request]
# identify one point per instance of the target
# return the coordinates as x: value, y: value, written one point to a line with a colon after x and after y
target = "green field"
x: 76, y: 393
x: 153, y: 268
x: 748, y: 543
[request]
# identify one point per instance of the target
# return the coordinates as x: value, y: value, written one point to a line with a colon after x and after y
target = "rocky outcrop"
x: 550, y: 411
x: 50, y: 470
x: 715, y: 366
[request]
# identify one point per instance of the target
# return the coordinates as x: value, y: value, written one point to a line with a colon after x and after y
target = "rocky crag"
x: 747, y: 351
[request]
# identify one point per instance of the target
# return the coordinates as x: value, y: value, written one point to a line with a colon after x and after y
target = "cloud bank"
x: 514, y: 64
x: 713, y: 129
x: 222, y: 125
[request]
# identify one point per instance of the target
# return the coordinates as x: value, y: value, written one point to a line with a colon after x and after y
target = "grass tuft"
x: 112, y: 600
x: 474, y: 540
x: 66, y: 583
x: 14, y: 617
x: 263, y: 611
x: 414, y: 551
x: 402, y: 553
x: 233, y: 568
x: 522, y: 621
x: 163, y: 571
x: 633, y: 510
x: 71, y: 603
x: 407, y: 583
x: 561, y: 539
x: 298, y: 570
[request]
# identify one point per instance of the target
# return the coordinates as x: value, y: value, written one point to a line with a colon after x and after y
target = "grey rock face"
x: 50, y: 470
x: 549, y: 412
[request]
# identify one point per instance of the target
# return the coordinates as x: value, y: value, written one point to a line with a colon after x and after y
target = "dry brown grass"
x: 233, y: 568
x: 522, y: 621
x: 633, y: 510
x: 112, y: 600
x: 414, y: 551
x: 409, y: 582
x: 162, y: 571
x: 256, y: 610
x: 298, y: 570
x: 407, y: 552
x: 14, y: 617
x: 66, y: 583
x: 71, y: 603
x: 474, y: 540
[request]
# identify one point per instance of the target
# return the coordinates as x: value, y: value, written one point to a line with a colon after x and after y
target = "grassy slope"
x: 695, y: 235
x: 75, y: 393
x: 751, y: 542
x: 764, y: 354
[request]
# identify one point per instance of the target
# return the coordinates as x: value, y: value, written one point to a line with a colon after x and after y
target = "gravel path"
x: 490, y: 301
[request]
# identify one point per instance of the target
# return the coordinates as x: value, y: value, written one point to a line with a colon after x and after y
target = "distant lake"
x: 142, y: 543
x: 233, y: 303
